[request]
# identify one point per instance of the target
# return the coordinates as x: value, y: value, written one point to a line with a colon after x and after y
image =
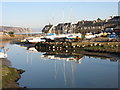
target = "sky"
x: 38, y: 14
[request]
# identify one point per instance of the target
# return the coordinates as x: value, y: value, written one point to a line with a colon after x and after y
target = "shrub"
x: 11, y: 34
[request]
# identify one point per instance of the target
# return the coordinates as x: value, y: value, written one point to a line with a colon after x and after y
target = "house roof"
x: 46, y: 28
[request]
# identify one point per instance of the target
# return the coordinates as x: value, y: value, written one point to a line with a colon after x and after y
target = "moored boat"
x: 3, y: 55
x: 33, y: 40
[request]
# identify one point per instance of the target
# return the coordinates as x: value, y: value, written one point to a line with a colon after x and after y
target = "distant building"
x: 63, y: 28
x: 90, y: 26
x: 48, y: 29
x: 67, y: 28
x: 84, y: 26
x: 72, y: 28
x: 60, y: 28
x: 113, y: 22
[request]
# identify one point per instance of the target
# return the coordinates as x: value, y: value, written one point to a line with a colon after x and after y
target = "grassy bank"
x: 14, y: 37
x: 10, y: 76
x: 8, y: 37
x: 110, y: 47
x: 103, y: 49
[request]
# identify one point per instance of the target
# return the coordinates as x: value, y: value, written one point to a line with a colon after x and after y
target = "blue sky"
x: 38, y: 14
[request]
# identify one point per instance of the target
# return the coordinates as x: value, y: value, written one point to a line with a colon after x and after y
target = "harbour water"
x: 63, y: 70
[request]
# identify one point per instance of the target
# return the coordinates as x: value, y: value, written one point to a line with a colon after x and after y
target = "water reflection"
x: 66, y: 57
x: 74, y: 55
x: 54, y: 68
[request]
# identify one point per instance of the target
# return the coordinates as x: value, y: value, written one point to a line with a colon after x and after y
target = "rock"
x: 20, y: 71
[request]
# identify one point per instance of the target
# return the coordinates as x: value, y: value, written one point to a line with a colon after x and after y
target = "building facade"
x: 48, y: 29
x: 84, y: 26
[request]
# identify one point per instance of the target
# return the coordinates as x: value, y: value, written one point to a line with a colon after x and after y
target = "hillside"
x: 14, y: 29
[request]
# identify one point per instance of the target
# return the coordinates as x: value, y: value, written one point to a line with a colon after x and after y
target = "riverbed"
x: 63, y: 70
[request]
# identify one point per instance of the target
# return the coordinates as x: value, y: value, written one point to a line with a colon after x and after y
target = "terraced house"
x: 63, y: 28
x: 84, y: 26
x: 48, y: 29
x: 90, y: 26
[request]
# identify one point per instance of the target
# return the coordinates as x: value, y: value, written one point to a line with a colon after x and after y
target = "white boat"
x: 68, y: 36
x: 98, y: 35
x: 72, y: 36
x: 89, y: 36
x: 25, y: 40
x: 36, y: 40
x: 52, y: 37
x: 60, y: 36
x: 33, y: 40
x: 3, y: 55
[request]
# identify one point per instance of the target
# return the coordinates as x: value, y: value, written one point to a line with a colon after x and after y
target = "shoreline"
x: 15, y: 37
x: 10, y: 75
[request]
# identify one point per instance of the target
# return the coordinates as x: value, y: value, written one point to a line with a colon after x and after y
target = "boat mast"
x: 52, y: 23
x: 71, y: 28
x: 63, y: 21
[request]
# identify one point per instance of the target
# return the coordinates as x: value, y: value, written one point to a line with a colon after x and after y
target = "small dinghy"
x: 3, y: 53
